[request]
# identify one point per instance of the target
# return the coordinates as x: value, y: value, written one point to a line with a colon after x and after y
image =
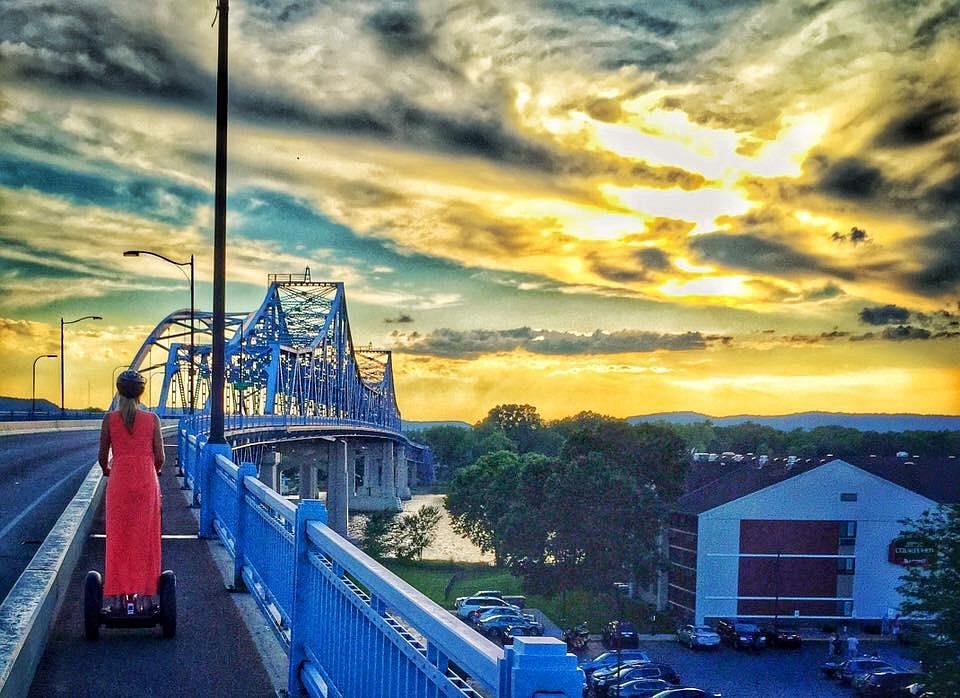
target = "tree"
x: 375, y: 540
x: 453, y: 447
x: 931, y: 590
x: 520, y: 423
x: 413, y: 533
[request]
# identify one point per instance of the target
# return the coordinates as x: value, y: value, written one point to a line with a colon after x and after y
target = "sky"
x: 729, y: 207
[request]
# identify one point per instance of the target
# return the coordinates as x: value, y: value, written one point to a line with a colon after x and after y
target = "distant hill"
x: 809, y: 420
x: 420, y: 426
x: 23, y: 404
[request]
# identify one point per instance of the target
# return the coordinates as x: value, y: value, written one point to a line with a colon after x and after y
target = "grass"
x: 443, y: 582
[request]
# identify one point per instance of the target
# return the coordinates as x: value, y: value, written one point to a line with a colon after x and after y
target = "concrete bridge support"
x: 403, y: 474
x: 379, y: 489
x: 270, y: 470
x: 308, y: 481
x: 337, y: 486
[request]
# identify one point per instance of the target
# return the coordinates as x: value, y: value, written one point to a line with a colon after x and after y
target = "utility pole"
x: 217, y: 382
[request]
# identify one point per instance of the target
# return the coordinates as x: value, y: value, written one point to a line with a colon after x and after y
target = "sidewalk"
x: 212, y: 654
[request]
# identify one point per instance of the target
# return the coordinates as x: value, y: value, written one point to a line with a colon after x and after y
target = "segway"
x: 126, y: 615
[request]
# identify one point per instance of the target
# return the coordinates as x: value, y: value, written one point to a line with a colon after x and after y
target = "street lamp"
x: 621, y: 589
x: 62, y: 323
x: 33, y: 398
x: 179, y: 265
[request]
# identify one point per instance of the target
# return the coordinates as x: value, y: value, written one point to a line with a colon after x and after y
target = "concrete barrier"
x: 31, y: 607
x: 40, y: 426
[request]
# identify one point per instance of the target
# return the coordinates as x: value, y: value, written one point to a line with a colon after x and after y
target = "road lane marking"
x: 9, y: 527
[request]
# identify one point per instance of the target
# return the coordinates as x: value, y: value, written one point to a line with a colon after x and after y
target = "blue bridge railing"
x: 351, y: 628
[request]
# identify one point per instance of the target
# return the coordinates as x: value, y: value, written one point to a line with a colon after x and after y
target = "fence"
x: 350, y: 627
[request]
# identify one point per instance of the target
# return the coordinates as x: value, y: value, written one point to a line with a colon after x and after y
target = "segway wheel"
x: 167, y: 589
x: 92, y: 603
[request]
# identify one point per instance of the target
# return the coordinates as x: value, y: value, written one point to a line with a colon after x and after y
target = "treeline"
x: 520, y: 429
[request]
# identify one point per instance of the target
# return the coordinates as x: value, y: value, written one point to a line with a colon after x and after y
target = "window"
x: 846, y: 565
x: 848, y: 496
x: 848, y: 532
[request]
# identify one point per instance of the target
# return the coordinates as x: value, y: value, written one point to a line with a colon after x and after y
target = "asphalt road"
x: 39, y: 475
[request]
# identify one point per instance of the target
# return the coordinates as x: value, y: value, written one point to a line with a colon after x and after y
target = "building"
x: 810, y: 541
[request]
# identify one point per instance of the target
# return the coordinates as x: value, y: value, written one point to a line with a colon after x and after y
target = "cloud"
x: 852, y: 178
x: 884, y: 315
x: 929, y: 122
x: 905, y: 332
x: 451, y: 343
x: 402, y: 318
x: 856, y: 236
x: 756, y: 253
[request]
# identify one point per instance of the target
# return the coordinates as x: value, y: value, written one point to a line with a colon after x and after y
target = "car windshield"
x: 861, y: 665
x: 625, y: 627
x: 703, y: 629
x: 746, y: 627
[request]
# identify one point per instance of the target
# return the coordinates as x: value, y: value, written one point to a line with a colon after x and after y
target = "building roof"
x: 710, y: 485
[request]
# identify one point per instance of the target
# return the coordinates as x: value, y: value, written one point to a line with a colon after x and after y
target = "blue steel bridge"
x: 348, y: 626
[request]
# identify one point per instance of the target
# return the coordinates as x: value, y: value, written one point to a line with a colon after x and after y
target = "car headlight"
x: 744, y: 639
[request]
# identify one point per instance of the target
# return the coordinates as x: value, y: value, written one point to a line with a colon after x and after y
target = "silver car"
x: 695, y: 636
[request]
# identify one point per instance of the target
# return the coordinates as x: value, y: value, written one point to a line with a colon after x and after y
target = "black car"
x: 638, y: 688
x: 688, y: 693
x: 603, y: 681
x: 890, y: 685
x: 610, y: 659
x: 741, y: 635
x: 496, y: 627
x: 781, y: 637
x: 620, y: 633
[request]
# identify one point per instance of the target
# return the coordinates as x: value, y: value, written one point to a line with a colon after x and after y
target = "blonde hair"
x: 127, y: 407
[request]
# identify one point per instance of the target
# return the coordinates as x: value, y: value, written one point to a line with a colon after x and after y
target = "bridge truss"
x: 293, y: 356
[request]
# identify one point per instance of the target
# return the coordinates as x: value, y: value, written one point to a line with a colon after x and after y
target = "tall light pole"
x: 180, y: 266
x: 33, y: 398
x: 62, y: 323
x: 219, y: 236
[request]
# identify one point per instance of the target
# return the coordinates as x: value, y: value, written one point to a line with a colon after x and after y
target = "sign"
x: 907, y: 552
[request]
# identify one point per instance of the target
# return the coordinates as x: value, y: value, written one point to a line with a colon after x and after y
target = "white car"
x: 694, y: 636
x: 471, y: 604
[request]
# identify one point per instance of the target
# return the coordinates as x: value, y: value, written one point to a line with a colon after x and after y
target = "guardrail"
x: 351, y: 628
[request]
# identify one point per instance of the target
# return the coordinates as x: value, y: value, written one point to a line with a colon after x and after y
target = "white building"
x: 812, y: 541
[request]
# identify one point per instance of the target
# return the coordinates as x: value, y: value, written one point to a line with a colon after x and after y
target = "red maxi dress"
x: 133, y: 510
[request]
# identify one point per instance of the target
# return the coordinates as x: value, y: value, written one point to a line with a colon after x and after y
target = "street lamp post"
x: 180, y: 265
x: 33, y: 394
x: 62, y: 323
x: 621, y: 588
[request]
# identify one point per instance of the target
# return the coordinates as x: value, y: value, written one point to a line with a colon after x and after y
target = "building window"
x: 846, y: 565
x: 848, y: 532
x: 848, y: 496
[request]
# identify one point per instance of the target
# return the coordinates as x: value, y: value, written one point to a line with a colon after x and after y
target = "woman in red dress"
x: 133, y: 494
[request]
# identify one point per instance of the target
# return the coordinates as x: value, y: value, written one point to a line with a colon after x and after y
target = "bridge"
x: 345, y: 624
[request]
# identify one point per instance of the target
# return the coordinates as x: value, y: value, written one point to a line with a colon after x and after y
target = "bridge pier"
x: 308, y: 481
x: 338, y: 507
x: 379, y: 489
x: 403, y: 474
x: 269, y: 473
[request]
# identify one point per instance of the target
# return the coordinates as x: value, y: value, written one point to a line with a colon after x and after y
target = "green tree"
x: 520, y: 423
x: 412, y: 533
x: 453, y: 447
x: 932, y: 590
x: 376, y: 538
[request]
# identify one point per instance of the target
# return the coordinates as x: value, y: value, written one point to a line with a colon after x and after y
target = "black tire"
x: 92, y: 603
x: 167, y: 589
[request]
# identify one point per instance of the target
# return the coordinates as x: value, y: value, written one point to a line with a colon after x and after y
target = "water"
x: 448, y: 546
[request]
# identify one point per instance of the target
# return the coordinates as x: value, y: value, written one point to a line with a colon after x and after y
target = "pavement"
x: 213, y: 653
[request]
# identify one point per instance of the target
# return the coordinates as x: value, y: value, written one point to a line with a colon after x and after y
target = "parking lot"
x: 766, y: 674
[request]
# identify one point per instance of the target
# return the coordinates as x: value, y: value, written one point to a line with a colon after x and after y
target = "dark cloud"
x: 469, y: 343
x: 904, y: 332
x: 851, y: 178
x: 400, y: 30
x: 884, y: 315
x: 930, y: 29
x: 649, y: 261
x: 652, y: 258
x: 631, y: 17
x: 90, y: 46
x: 856, y: 236
x: 931, y: 121
x: 760, y: 254
x: 939, y: 256
x: 825, y: 292
x: 400, y: 319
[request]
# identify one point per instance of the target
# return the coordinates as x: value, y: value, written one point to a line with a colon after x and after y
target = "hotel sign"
x: 908, y: 552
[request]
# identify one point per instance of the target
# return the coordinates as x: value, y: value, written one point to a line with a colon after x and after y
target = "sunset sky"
x: 730, y: 207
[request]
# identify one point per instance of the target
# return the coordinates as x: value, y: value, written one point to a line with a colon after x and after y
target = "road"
x: 39, y: 475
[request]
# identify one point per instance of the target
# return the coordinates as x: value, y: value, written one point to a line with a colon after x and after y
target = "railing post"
x: 195, y: 463
x: 309, y: 510
x: 208, y: 463
x: 239, y: 542
x: 539, y: 666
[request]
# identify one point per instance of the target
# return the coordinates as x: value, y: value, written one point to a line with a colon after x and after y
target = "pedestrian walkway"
x: 212, y: 654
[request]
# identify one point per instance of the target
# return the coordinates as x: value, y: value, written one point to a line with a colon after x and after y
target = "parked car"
x: 519, y: 601
x: 609, y: 659
x: 499, y: 612
x: 781, y: 637
x: 889, y: 685
x: 688, y: 693
x: 496, y: 628
x: 638, y: 688
x: 741, y: 635
x: 470, y: 604
x: 858, y: 680
x: 525, y: 630
x: 620, y: 633
x: 694, y: 636
x: 604, y: 679
x: 860, y: 665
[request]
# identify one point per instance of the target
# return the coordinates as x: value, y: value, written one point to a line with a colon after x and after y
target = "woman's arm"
x: 103, y: 458
x: 157, y: 445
